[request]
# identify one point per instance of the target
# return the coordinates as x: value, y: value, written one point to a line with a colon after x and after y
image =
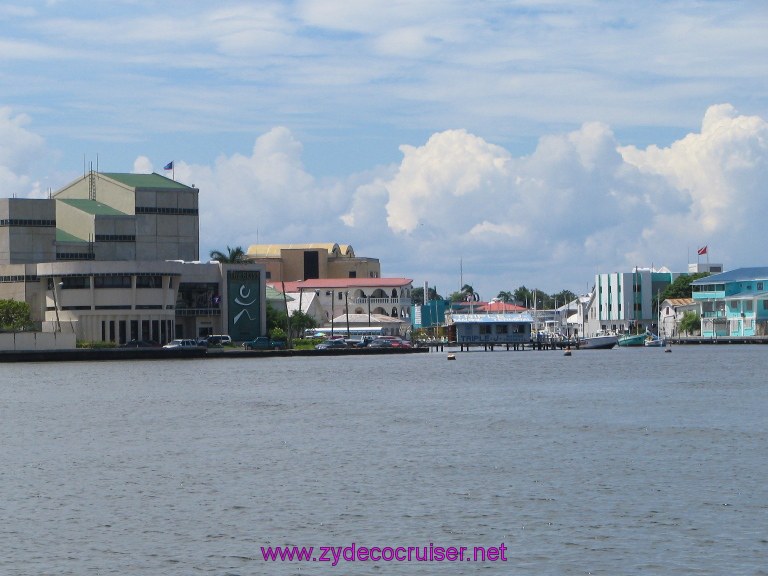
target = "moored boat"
x: 604, y: 341
x: 654, y: 340
x: 632, y: 339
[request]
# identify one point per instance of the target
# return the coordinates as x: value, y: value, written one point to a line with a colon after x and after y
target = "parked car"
x: 264, y: 343
x: 181, y: 343
x: 380, y: 343
x: 219, y: 340
x: 332, y: 344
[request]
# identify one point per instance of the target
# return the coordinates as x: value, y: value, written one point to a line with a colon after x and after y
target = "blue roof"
x: 737, y: 275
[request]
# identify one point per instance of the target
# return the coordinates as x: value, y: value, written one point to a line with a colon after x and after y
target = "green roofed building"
x: 114, y: 257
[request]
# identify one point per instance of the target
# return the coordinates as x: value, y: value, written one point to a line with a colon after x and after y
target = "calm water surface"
x: 629, y: 461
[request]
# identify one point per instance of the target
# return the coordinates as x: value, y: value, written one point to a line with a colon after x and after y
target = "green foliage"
x: 417, y: 295
x: 14, y: 315
x: 690, y: 323
x: 95, y: 344
x: 300, y: 321
x: 234, y: 255
x: 681, y: 287
x: 277, y: 333
x: 275, y: 318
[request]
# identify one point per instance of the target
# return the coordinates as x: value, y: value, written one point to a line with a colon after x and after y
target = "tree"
x: 300, y: 322
x: 14, y: 315
x: 505, y: 296
x: 234, y: 255
x: 275, y: 318
x: 690, y: 322
x: 417, y: 295
x: 681, y: 287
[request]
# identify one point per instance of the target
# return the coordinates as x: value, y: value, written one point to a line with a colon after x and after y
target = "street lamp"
x: 52, y: 285
x: 333, y: 297
x: 346, y: 308
x: 368, y: 298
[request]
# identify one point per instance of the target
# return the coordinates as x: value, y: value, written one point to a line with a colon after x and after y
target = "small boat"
x: 652, y: 340
x: 603, y: 341
x: 632, y: 339
x: 451, y: 356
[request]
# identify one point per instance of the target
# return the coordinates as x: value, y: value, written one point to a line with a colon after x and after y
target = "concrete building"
x: 113, y: 257
x: 624, y: 301
x: 295, y: 262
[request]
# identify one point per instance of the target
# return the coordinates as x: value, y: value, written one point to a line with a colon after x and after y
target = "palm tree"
x: 234, y: 255
x: 505, y: 296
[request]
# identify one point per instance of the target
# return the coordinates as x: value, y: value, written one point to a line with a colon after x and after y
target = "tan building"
x: 113, y: 257
x: 293, y: 262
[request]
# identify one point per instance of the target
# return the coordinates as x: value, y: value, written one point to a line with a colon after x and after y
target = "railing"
x: 381, y: 301
x: 198, y: 312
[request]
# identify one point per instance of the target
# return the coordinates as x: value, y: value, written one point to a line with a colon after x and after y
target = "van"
x: 219, y: 340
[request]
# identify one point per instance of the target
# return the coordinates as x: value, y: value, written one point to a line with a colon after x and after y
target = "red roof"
x: 338, y: 283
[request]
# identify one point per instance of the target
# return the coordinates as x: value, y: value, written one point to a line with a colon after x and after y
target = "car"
x: 219, y: 340
x: 181, y: 343
x: 264, y: 343
x: 140, y: 344
x: 381, y: 343
x: 332, y: 344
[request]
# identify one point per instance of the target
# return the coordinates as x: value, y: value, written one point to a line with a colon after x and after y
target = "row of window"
x: 116, y: 281
x: 501, y: 329
x: 167, y: 211
x: 75, y: 256
x: 24, y: 222
x: 14, y: 279
x: 115, y: 238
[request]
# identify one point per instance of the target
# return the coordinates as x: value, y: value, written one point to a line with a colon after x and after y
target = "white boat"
x: 604, y: 341
x: 653, y: 340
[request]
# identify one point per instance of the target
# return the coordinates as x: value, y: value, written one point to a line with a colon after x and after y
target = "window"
x: 149, y: 281
x: 748, y: 306
x: 759, y: 285
x: 485, y: 328
x: 502, y: 329
x: 75, y: 282
x: 120, y: 281
x: 352, y: 274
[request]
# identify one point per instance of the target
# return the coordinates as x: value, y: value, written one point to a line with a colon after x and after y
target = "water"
x: 629, y: 461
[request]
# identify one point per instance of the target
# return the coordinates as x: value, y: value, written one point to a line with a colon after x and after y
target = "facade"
x: 671, y: 312
x: 733, y: 303
x: 337, y: 296
x: 113, y: 257
x: 624, y: 301
x: 297, y: 262
x: 492, y: 329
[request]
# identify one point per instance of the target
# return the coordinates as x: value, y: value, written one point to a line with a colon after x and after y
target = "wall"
x: 38, y: 341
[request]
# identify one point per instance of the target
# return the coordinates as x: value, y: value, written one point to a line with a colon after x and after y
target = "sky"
x: 495, y: 143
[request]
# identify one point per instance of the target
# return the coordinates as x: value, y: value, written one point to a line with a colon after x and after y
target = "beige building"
x: 113, y: 257
x: 293, y: 262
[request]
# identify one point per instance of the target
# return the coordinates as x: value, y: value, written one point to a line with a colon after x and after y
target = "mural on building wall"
x: 244, y: 304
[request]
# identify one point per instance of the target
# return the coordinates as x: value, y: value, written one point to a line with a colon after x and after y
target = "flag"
x: 168, y: 166
x: 702, y: 251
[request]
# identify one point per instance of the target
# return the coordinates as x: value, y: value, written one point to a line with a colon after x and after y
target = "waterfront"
x: 628, y: 461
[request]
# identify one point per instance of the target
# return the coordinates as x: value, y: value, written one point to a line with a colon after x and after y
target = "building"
x: 295, y: 262
x: 625, y: 301
x: 733, y: 303
x: 491, y: 329
x: 113, y: 257
x: 370, y: 296
x: 671, y: 312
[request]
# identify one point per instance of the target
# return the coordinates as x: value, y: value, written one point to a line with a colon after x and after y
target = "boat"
x: 654, y: 340
x: 632, y: 339
x: 602, y: 341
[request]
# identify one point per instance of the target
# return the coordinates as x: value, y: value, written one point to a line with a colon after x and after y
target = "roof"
x: 490, y: 318
x: 62, y: 236
x: 677, y: 302
x: 273, y: 293
x: 92, y: 207
x: 154, y: 181
x: 737, y: 275
x: 274, y: 250
x: 340, y: 283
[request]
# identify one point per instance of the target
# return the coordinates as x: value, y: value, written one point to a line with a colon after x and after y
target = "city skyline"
x: 494, y: 144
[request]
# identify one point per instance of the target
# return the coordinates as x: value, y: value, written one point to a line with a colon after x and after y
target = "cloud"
x: 20, y: 151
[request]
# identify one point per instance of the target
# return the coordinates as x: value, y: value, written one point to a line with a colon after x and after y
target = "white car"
x: 181, y: 343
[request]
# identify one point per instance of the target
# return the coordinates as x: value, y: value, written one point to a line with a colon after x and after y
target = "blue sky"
x: 535, y: 142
